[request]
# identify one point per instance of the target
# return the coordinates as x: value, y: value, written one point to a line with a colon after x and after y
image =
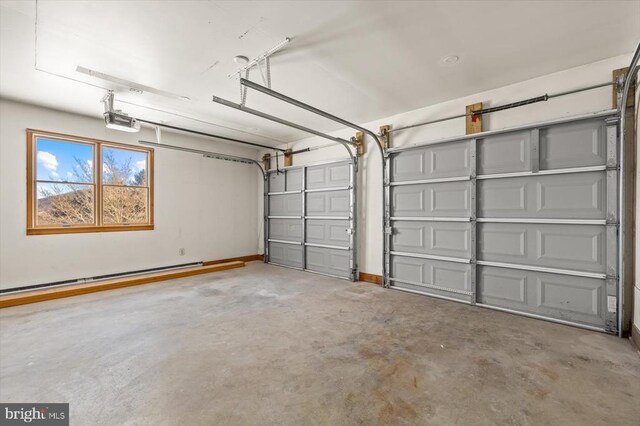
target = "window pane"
x: 63, y: 161
x: 124, y: 167
x: 122, y: 204
x: 64, y: 204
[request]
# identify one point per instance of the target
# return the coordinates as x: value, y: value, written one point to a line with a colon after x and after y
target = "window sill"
x: 88, y: 229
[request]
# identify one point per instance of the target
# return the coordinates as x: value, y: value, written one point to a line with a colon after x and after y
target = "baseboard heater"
x: 98, y: 278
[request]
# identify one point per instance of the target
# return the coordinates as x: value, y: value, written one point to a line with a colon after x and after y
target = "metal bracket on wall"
x: 385, y: 135
x: 618, y: 78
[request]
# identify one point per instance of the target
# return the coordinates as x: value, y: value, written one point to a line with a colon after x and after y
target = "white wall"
x: 206, y: 206
x: 370, y: 196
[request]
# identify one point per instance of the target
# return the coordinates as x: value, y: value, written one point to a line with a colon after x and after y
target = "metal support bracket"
x: 618, y: 77
x: 385, y: 135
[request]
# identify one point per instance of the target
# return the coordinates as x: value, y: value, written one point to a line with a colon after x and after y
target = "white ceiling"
x: 358, y: 60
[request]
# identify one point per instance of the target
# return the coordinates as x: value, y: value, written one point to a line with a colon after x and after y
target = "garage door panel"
x: 573, y: 196
x: 285, y: 205
x: 285, y: 229
x: 505, y: 153
x: 573, y: 247
x: 504, y: 198
x: 439, y: 161
x: 328, y: 232
x: 328, y: 261
x: 539, y: 210
x: 580, y: 195
x: 332, y: 175
x: 576, y: 144
x: 332, y: 203
x: 557, y: 293
x: 289, y: 180
x: 276, y: 182
x: 447, y: 199
x: 503, y: 287
x: 286, y: 254
x: 575, y: 299
x: 435, y: 273
x: 505, y: 244
x: 433, y: 238
x: 294, y: 180
x: 314, y: 235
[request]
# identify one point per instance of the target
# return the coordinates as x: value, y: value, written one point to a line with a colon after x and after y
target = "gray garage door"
x: 521, y: 220
x: 310, y: 224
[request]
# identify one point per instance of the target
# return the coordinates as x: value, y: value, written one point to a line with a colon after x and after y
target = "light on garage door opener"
x: 116, y: 119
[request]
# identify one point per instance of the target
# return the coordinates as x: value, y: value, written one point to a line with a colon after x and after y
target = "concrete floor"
x: 269, y: 345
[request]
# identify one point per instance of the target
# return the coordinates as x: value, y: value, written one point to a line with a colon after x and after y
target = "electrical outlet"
x: 181, y: 252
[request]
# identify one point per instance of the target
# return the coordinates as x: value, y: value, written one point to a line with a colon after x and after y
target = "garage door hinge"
x: 351, y: 231
x: 388, y: 230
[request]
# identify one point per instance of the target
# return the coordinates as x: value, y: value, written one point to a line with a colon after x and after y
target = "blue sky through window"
x: 56, y: 160
x: 73, y: 162
x: 137, y: 162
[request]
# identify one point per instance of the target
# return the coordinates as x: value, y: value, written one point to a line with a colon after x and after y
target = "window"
x: 77, y: 184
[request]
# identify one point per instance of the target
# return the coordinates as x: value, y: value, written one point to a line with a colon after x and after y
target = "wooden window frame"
x: 97, y: 226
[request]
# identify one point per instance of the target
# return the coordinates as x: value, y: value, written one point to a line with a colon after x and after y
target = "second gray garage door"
x: 311, y: 219
x: 523, y: 221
